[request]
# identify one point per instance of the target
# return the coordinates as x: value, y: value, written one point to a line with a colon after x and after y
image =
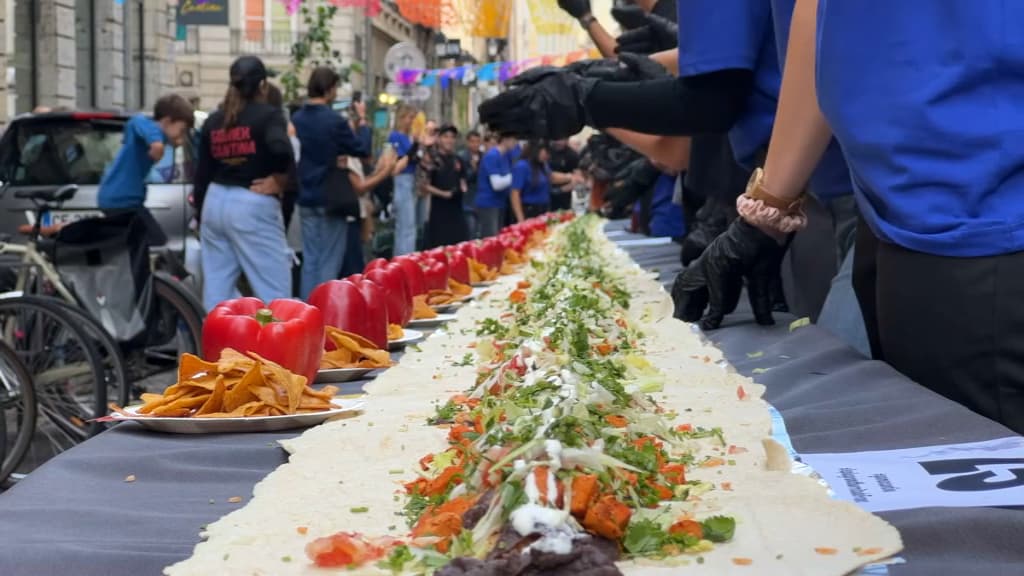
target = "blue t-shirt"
x: 493, y: 162
x: 925, y: 98
x: 666, y: 216
x: 720, y: 34
x: 831, y: 178
x: 124, y: 183
x: 534, y: 188
x: 323, y: 136
x: 402, y: 144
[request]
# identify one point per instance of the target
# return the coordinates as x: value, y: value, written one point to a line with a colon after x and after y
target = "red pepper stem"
x: 264, y: 316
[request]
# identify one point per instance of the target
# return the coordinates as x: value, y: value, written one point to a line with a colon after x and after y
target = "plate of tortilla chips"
x: 352, y: 358
x: 238, y: 393
x: 437, y: 320
x: 409, y: 336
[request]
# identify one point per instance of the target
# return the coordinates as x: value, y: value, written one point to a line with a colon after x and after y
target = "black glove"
x: 629, y: 16
x: 576, y: 8
x: 544, y: 102
x: 656, y: 35
x: 626, y: 68
x: 631, y: 183
x: 715, y: 280
x: 712, y: 220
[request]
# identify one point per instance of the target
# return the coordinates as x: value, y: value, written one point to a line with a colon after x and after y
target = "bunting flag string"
x: 490, y: 72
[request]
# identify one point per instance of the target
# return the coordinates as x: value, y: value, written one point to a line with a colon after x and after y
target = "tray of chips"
x: 225, y: 425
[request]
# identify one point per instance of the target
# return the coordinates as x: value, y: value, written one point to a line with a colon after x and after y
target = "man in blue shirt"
x: 492, y: 185
x: 123, y: 187
x: 323, y: 136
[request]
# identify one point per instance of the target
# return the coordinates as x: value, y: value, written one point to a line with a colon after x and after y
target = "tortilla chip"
x: 241, y: 393
x: 395, y: 332
x: 440, y: 297
x: 360, y: 341
x: 234, y: 361
x: 215, y: 400
x: 190, y: 366
x: 458, y: 288
x: 353, y: 351
x: 420, y: 309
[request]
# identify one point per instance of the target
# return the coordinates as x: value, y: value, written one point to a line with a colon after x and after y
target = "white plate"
x: 410, y: 337
x: 449, y: 308
x: 477, y: 291
x: 484, y: 283
x: 242, y: 424
x: 431, y: 322
x: 336, y: 375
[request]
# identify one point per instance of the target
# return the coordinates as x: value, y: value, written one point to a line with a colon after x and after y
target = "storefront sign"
x: 202, y: 12
x: 989, y: 473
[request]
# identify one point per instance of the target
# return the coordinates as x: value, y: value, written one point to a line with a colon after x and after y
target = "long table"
x: 77, y: 514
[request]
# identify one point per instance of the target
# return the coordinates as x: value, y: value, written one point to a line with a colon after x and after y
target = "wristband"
x: 587, y: 20
x: 765, y: 210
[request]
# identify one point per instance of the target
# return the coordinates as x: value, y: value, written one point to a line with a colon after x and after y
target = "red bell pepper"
x: 355, y: 278
x: 376, y: 299
x: 458, y: 266
x: 288, y: 332
x: 393, y: 283
x: 435, y: 274
x: 343, y: 306
x: 375, y: 263
x: 413, y: 274
x: 401, y: 279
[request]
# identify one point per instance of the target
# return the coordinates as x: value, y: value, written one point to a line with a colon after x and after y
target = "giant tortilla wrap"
x: 782, y: 518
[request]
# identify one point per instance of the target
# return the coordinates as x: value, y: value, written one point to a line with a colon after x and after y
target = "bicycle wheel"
x: 65, y: 367
x: 18, y: 412
x: 115, y: 373
x: 174, y: 327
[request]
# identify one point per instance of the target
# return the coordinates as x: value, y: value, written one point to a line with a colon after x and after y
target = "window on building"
x: 267, y: 27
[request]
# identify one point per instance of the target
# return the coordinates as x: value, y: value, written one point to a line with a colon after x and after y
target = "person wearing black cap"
x: 446, y: 184
x: 244, y: 151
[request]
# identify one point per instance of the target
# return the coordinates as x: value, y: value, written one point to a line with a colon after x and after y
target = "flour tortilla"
x: 361, y: 462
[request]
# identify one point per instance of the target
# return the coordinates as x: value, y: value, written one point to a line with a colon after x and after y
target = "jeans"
x: 841, y: 314
x: 324, y: 239
x: 490, y: 221
x: 405, y: 210
x: 353, y: 262
x: 471, y: 224
x: 243, y: 232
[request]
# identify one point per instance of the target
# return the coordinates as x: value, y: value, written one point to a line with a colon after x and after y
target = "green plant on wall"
x: 313, y: 48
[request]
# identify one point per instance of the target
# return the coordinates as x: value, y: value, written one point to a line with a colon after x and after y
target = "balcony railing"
x: 260, y: 41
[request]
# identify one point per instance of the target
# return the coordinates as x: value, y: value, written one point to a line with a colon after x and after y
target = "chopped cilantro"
x: 359, y: 510
x: 397, y: 559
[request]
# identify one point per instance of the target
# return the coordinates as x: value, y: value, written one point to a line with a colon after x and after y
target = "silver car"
x: 41, y: 151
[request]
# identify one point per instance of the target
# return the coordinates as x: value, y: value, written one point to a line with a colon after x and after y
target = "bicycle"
x: 173, y: 327
x: 18, y: 413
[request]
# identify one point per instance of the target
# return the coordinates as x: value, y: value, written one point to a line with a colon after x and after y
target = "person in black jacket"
x: 244, y: 153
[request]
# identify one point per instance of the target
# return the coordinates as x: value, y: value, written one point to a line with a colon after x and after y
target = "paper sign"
x: 989, y: 473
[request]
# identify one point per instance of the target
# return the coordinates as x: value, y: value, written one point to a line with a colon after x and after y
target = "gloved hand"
x: 626, y: 68
x: 711, y: 221
x: 543, y: 102
x: 657, y: 34
x: 576, y: 8
x: 631, y: 183
x: 629, y: 16
x: 715, y: 280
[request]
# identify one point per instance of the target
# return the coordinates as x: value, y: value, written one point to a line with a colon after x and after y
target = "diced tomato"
x: 691, y: 527
x: 737, y: 450
x: 674, y: 474
x: 740, y: 392
x: 684, y: 428
x: 346, y: 549
x: 517, y: 297
x: 523, y: 284
x: 604, y: 348
x: 616, y: 420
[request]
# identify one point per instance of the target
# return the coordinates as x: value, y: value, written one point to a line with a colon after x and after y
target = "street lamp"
x: 495, y: 47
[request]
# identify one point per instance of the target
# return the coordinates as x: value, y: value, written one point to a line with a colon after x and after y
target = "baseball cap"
x: 247, y: 72
x: 445, y: 128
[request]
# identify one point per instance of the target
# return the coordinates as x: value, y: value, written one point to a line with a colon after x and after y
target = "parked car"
x: 49, y: 150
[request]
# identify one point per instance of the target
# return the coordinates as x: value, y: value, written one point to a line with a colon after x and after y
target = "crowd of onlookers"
x: 262, y: 165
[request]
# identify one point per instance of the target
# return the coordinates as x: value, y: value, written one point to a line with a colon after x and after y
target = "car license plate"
x: 62, y: 217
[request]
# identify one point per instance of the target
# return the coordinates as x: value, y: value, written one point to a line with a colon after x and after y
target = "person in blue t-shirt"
x: 492, y: 185
x: 532, y: 179
x: 324, y: 136
x: 933, y: 145
x: 123, y: 187
x: 404, y: 198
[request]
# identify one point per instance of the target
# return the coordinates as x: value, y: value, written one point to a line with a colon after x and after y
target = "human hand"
x: 576, y: 8
x: 629, y: 16
x: 268, y: 186
x: 543, y: 102
x: 715, y: 280
x: 156, y: 151
x: 656, y: 35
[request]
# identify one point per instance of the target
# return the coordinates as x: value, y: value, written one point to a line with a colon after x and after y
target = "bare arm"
x: 673, y: 152
x: 560, y: 178
x: 801, y: 134
x: 669, y: 59
x: 400, y: 166
x: 604, y: 41
x: 517, y: 204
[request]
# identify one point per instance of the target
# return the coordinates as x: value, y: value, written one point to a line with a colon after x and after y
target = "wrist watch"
x: 757, y: 191
x: 587, y: 20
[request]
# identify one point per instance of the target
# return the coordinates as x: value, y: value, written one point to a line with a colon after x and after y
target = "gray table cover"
x: 77, y: 515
